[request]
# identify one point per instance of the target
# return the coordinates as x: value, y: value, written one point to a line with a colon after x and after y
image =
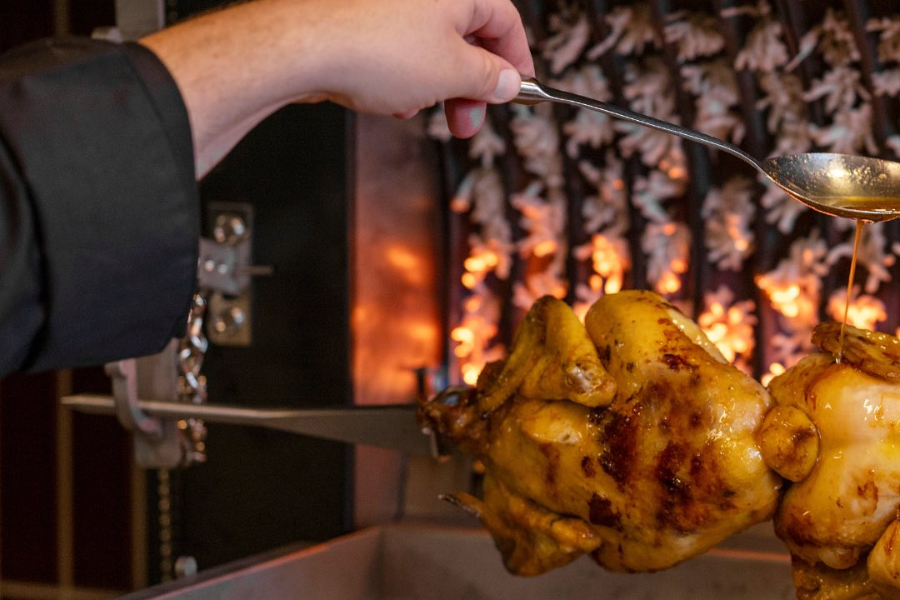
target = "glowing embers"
x: 480, y: 262
x: 865, y: 312
x: 667, y: 246
x: 475, y: 334
x: 730, y: 326
x: 787, y: 298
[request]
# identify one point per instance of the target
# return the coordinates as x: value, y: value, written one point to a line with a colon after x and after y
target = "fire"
x: 729, y: 325
x: 465, y: 339
x: 677, y: 173
x: 481, y: 262
x: 475, y: 334
x: 775, y: 369
x: 545, y: 248
x: 403, y: 258
x: 865, y: 311
x: 460, y: 205
x: 794, y: 287
x: 472, y: 337
x: 475, y: 263
x: 669, y: 283
x: 667, y: 246
x: 793, y: 300
x: 470, y: 373
x: 609, y: 261
x: 581, y: 309
x: 743, y: 238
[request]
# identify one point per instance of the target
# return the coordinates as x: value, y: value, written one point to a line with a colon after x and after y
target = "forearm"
x: 229, y: 66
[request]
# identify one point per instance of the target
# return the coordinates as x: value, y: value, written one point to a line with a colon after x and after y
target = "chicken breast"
x: 630, y: 439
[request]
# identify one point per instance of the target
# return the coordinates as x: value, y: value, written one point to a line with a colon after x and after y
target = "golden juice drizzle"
x: 859, y: 226
x: 878, y: 209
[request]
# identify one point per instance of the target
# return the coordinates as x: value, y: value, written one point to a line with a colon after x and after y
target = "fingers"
x: 465, y: 117
x: 494, y: 59
x: 413, y: 55
x: 409, y: 114
x: 494, y: 52
x: 498, y: 28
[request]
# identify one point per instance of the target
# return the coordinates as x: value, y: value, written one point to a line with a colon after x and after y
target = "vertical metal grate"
x: 756, y: 270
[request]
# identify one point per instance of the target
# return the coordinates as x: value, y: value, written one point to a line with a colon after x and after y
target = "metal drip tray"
x: 427, y: 562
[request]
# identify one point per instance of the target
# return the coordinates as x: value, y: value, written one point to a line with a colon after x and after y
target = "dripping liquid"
x: 859, y: 226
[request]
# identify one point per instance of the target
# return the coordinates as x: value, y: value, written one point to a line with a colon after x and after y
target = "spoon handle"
x: 533, y: 92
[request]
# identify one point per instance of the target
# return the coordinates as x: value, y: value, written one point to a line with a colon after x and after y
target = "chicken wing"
x: 630, y: 439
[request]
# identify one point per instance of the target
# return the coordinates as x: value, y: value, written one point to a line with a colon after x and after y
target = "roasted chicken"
x: 629, y: 438
x: 835, y: 434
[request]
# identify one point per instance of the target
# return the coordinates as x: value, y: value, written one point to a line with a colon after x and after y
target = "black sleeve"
x: 99, y: 210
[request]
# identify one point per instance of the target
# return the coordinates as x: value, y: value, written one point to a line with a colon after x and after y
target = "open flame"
x: 667, y: 246
x: 609, y: 260
x: 865, y: 311
x: 670, y: 282
x: 775, y: 369
x: 729, y: 325
x: 793, y: 299
x: 480, y: 262
x: 727, y: 330
x: 475, y: 333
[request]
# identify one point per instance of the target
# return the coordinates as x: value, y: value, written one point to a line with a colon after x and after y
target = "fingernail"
x: 507, y: 86
x: 476, y: 117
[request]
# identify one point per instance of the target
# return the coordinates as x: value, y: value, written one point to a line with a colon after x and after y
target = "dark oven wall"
x: 261, y: 489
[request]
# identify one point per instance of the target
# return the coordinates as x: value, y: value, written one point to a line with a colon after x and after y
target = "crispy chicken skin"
x: 836, y: 435
x: 636, y: 442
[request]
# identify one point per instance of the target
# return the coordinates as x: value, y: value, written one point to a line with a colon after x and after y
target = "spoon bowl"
x: 839, y: 185
x: 856, y: 187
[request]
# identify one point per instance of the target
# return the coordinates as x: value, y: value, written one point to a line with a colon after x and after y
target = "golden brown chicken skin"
x: 651, y: 463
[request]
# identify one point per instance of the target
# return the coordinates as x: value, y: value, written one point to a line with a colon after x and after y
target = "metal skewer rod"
x: 386, y: 426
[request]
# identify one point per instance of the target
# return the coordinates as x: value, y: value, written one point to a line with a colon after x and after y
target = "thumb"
x: 508, y: 83
x: 493, y: 79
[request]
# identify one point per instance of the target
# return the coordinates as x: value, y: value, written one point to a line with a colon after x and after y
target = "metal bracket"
x: 217, y: 268
x: 123, y: 375
x: 157, y: 443
x: 226, y: 269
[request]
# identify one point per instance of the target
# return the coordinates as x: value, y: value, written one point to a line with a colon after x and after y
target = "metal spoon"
x: 840, y: 185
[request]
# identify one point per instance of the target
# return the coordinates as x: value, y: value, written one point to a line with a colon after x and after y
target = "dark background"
x: 259, y: 489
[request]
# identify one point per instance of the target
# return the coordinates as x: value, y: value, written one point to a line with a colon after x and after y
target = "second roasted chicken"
x: 629, y: 438
x: 835, y: 434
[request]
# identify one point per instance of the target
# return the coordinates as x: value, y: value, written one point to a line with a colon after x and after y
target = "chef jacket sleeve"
x: 99, y: 209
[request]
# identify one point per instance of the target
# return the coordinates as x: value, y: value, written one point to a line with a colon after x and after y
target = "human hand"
x: 390, y: 57
x: 406, y: 55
